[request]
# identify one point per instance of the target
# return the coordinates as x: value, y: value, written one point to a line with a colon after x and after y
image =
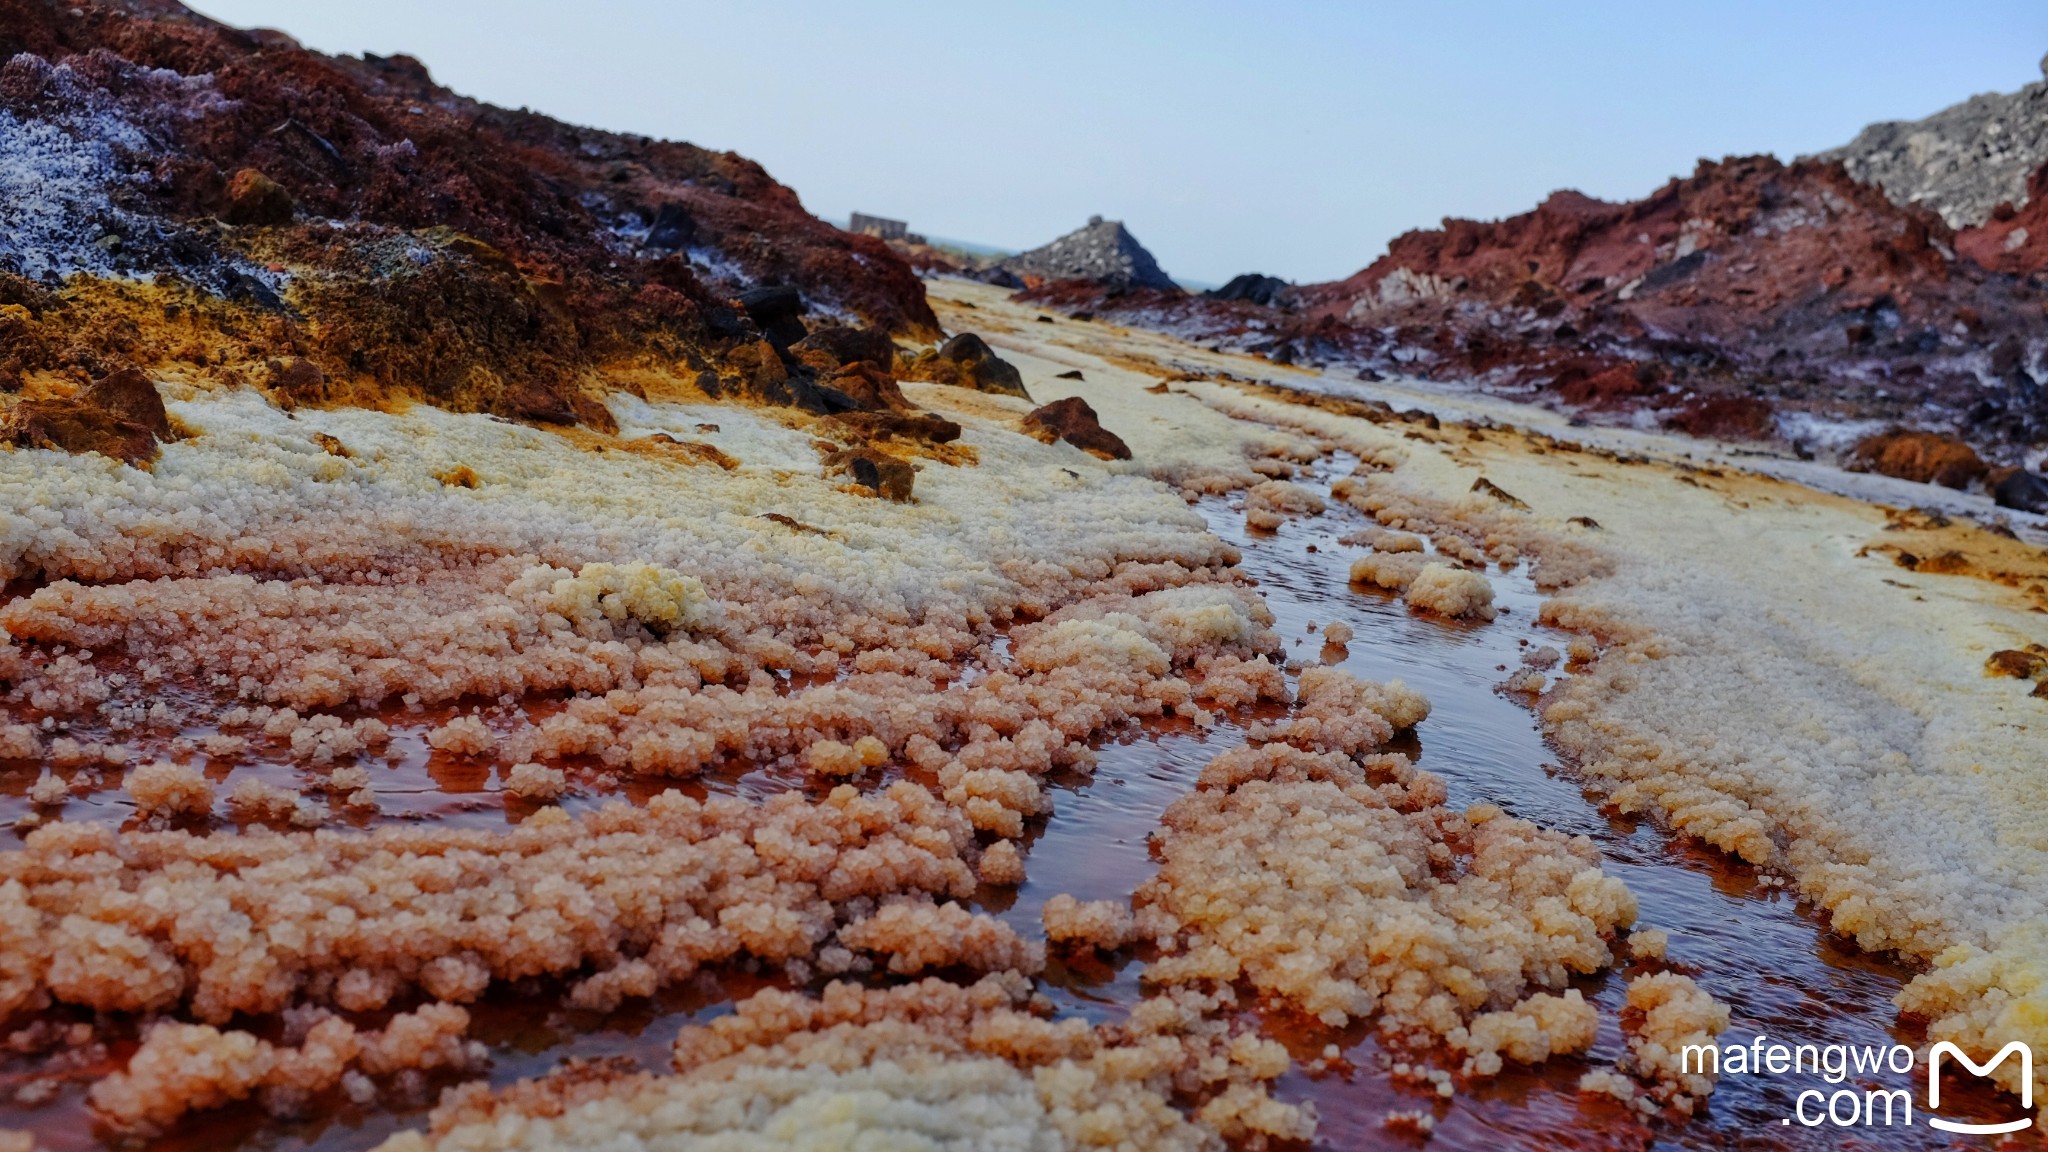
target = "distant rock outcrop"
x: 1750, y: 300
x: 1102, y: 252
x: 1963, y: 161
x: 1253, y: 288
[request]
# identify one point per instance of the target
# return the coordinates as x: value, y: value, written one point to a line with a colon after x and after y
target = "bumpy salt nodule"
x: 926, y: 1064
x: 196, y: 573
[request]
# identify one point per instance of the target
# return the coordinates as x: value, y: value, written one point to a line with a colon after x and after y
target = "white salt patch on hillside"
x: 54, y: 186
x: 1820, y: 434
x: 59, y: 171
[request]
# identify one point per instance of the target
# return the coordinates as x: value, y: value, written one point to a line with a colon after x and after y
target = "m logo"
x: 1984, y: 1069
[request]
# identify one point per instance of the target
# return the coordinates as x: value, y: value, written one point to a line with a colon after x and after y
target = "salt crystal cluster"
x: 1337, y: 881
x: 928, y: 1064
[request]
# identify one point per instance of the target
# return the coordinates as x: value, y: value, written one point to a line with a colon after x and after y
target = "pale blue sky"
x: 1292, y: 138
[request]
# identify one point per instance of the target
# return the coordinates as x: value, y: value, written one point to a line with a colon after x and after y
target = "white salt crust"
x: 228, y: 519
x: 924, y: 1065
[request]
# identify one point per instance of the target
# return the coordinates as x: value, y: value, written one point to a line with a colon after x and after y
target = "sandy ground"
x: 1795, y: 657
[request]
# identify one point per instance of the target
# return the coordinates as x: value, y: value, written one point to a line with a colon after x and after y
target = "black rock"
x: 1253, y: 288
x: 779, y: 312
x: 2022, y: 490
x: 990, y: 373
x: 673, y: 228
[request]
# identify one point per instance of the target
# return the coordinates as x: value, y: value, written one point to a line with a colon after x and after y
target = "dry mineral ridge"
x: 345, y: 415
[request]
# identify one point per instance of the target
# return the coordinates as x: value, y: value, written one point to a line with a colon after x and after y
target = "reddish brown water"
x: 1755, y: 947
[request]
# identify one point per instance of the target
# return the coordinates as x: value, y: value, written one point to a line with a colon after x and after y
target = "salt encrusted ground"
x: 1772, y: 679
x: 1758, y: 664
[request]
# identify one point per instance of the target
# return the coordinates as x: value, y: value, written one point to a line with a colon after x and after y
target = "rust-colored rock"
x: 696, y: 451
x: 127, y: 395
x: 1924, y: 457
x: 1485, y: 487
x: 1073, y: 421
x: 300, y: 380
x: 861, y: 387
x: 120, y: 415
x: 254, y: 198
x: 2013, y: 240
x: 1725, y: 418
x: 915, y: 426
x: 2020, y: 663
x: 762, y: 377
x: 966, y: 361
x: 890, y: 478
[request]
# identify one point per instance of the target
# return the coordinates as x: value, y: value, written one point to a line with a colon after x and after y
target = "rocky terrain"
x: 1793, y: 304
x: 1101, y: 252
x: 225, y: 206
x: 1967, y: 162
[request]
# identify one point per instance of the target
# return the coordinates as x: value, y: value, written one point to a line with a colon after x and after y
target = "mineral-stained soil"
x: 225, y: 206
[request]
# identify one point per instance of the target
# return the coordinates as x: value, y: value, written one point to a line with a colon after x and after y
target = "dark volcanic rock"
x: 779, y: 311
x: 1101, y: 252
x: 2020, y: 489
x: 672, y: 228
x: 966, y: 361
x: 1252, y: 288
x: 1075, y: 422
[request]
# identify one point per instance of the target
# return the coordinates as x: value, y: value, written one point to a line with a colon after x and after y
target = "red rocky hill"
x: 183, y: 196
x: 1751, y: 299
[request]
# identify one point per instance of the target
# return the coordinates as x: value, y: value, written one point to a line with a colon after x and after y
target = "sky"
x: 1290, y: 137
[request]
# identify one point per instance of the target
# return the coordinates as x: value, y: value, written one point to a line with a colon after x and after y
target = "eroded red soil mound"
x: 231, y: 203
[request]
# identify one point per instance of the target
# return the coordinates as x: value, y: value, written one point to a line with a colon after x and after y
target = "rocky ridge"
x: 1965, y: 161
x: 226, y: 208
x: 1751, y: 300
x: 1102, y: 252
